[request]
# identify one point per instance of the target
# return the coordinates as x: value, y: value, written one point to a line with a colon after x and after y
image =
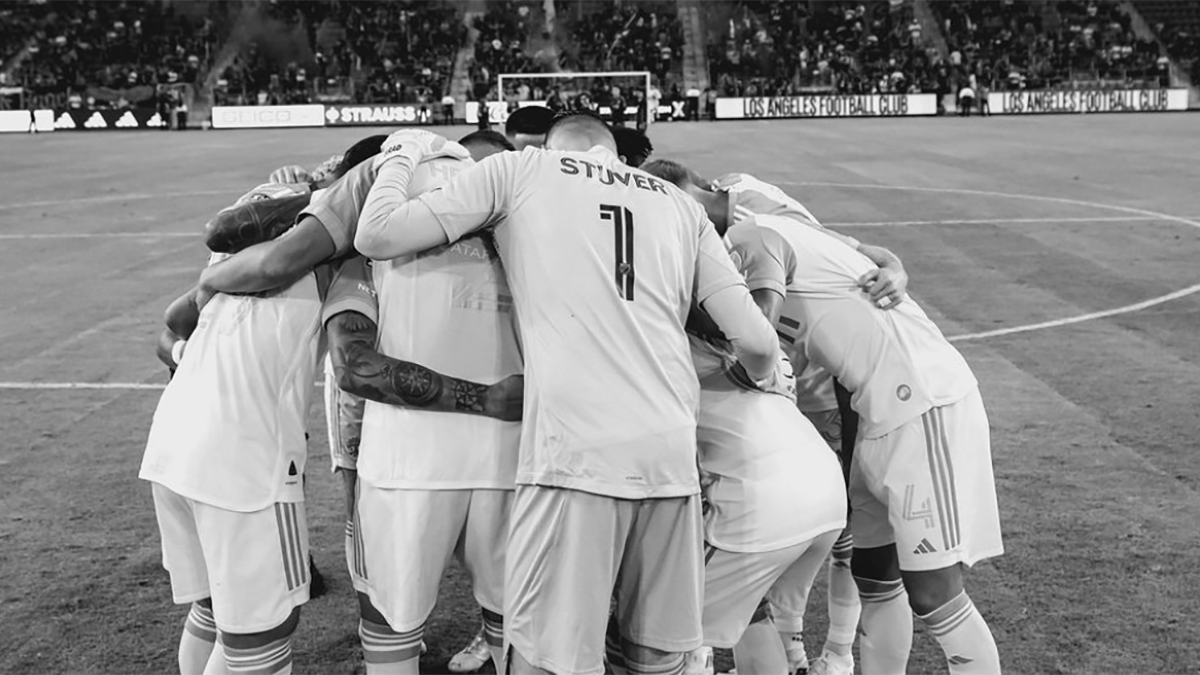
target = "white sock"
x: 196, y: 643
x: 216, y: 661
x: 844, y: 604
x: 758, y: 650
x: 964, y: 636
x: 886, y: 627
x: 387, y: 652
x: 787, y: 624
x: 493, y: 635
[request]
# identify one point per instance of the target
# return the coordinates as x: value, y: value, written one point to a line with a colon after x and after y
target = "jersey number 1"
x: 622, y: 220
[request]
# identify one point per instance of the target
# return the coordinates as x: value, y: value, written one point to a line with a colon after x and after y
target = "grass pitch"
x: 1003, y: 223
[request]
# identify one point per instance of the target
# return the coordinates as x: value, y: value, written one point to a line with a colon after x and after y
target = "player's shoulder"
x: 751, y: 232
x: 271, y: 191
x: 730, y: 181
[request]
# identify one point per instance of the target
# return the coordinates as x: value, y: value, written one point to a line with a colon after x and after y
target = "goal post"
x: 572, y: 85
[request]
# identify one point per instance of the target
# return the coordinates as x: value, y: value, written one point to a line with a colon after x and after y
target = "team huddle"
x: 640, y: 408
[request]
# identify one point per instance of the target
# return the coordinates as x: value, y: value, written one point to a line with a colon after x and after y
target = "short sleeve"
x: 764, y: 257
x: 476, y: 197
x: 715, y: 270
x: 339, y: 205
x: 352, y: 290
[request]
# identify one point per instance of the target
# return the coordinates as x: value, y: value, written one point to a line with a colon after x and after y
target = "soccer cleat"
x: 472, y: 657
x: 252, y: 222
x: 796, y: 655
x: 699, y: 662
x: 832, y: 664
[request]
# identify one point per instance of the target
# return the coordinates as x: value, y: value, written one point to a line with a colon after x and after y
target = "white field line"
x: 101, y: 199
x: 879, y: 223
x: 1142, y: 215
x: 99, y: 235
x: 1055, y: 323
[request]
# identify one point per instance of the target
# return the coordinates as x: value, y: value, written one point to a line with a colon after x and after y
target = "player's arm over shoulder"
x: 361, y: 370
x: 721, y: 292
x: 350, y: 314
x: 473, y: 199
x: 262, y: 215
x: 768, y: 263
x: 272, y: 264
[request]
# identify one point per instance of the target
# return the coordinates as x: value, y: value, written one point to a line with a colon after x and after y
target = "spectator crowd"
x: 405, y: 51
x: 75, y: 47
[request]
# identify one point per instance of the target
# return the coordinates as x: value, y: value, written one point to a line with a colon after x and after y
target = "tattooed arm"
x: 361, y: 370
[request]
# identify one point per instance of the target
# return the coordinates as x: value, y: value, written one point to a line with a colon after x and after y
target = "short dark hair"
x: 360, y: 152
x: 674, y: 172
x: 487, y: 137
x: 632, y: 143
x: 531, y: 119
x: 580, y: 119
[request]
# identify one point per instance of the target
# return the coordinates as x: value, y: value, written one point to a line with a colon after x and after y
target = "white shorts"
x: 570, y: 552
x: 928, y: 488
x: 403, y: 540
x: 735, y: 584
x: 254, y: 565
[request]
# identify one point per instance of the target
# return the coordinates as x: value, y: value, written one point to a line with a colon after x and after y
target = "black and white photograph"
x: 594, y: 337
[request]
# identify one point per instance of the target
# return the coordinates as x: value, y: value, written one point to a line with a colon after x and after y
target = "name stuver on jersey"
x: 570, y: 166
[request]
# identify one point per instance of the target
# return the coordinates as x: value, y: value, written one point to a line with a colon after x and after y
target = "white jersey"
x: 896, y: 362
x: 750, y: 197
x: 229, y: 429
x: 449, y: 310
x: 769, y: 478
x: 604, y: 262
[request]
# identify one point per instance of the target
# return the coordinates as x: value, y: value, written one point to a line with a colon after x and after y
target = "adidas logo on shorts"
x: 924, y: 547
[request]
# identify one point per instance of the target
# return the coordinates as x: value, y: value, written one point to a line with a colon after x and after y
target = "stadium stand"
x: 394, y: 52
x: 99, y: 53
x: 772, y: 47
x: 1177, y: 23
x: 1027, y: 45
x: 632, y: 36
x: 74, y: 47
x: 504, y: 44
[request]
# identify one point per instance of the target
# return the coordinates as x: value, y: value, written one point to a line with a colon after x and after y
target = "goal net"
x: 618, y: 97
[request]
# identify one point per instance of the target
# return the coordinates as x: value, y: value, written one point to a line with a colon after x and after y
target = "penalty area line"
x: 91, y: 386
x: 81, y: 385
x: 99, y: 235
x: 1138, y: 306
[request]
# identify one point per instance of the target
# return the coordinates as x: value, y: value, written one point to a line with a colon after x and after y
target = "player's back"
x: 749, y: 196
x: 769, y: 477
x: 449, y: 310
x: 601, y: 260
x: 896, y: 362
x: 229, y: 429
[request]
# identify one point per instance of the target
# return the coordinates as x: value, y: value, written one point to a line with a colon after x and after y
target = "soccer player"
x: 452, y: 489
x: 921, y: 483
x: 326, y: 230
x: 526, y: 127
x: 815, y: 388
x: 633, y: 147
x: 607, y: 488
x: 225, y: 456
x: 733, y: 199
x: 776, y: 498
x: 923, y: 461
